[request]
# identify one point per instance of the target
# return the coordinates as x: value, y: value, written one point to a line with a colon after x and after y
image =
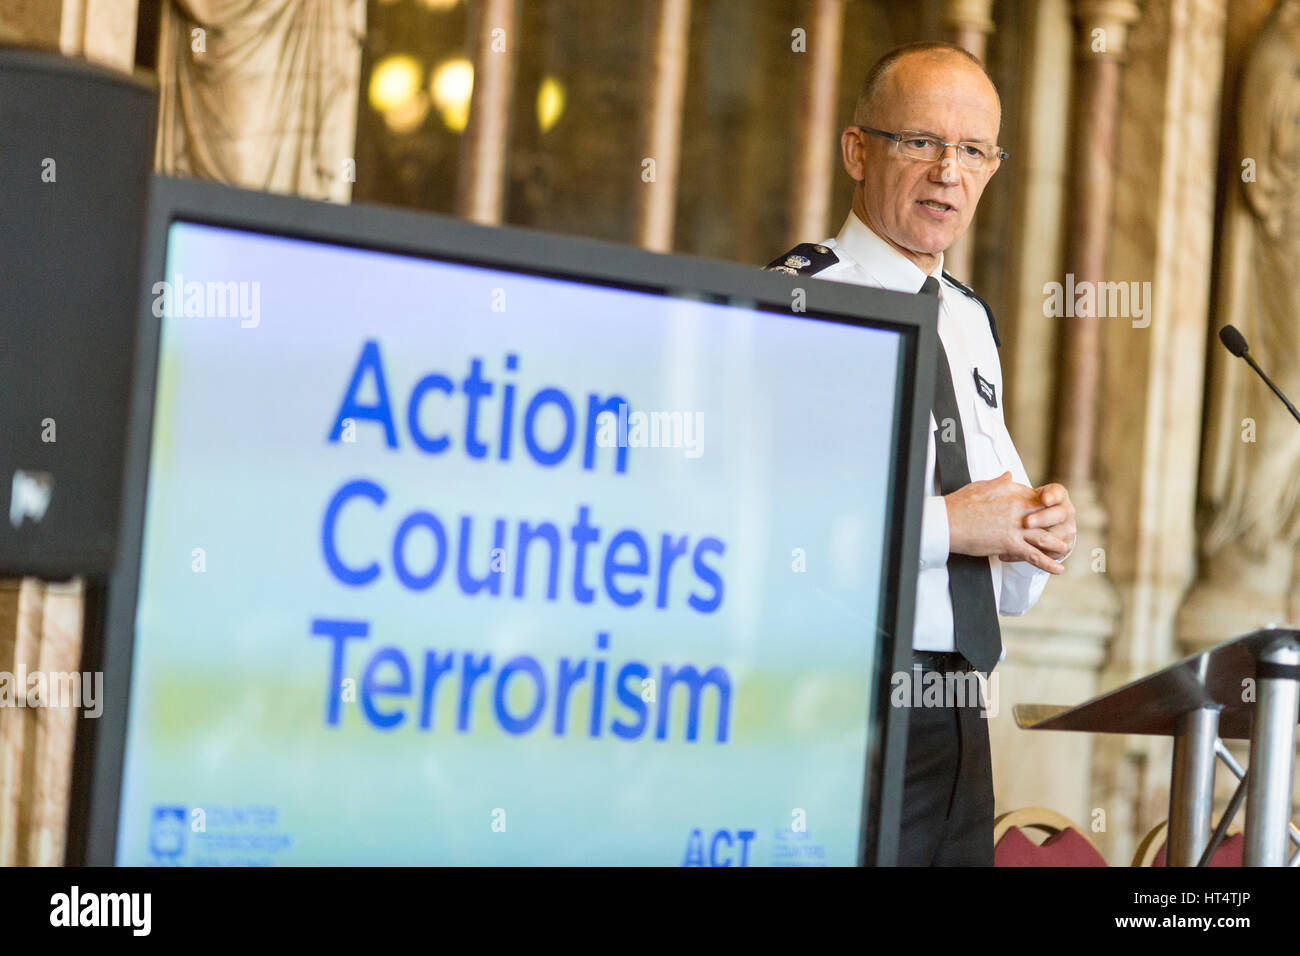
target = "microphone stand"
x: 1269, y: 382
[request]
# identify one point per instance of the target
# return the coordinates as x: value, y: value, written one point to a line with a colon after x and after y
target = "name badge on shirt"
x: 986, y: 390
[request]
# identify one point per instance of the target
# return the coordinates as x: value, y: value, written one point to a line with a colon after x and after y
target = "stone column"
x: 1151, y: 388
x: 1054, y: 653
x: 1085, y: 596
x: 1082, y: 605
x: 40, y: 622
x: 40, y: 631
x: 98, y: 30
x: 817, y: 136
x: 968, y: 23
x: 1102, y: 31
x: 1244, y: 582
x: 657, y: 200
x: 1035, y: 230
x: 483, y: 151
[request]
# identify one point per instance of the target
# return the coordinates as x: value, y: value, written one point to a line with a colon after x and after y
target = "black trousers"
x: 947, y: 813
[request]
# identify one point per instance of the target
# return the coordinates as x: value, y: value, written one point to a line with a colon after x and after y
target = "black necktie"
x: 976, y: 632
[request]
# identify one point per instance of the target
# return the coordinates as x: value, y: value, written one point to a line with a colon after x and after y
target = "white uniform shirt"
x: 866, y: 259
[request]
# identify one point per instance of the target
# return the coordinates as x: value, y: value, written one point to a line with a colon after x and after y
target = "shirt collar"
x: 886, y: 265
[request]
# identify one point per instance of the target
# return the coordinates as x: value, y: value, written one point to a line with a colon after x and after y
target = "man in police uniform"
x: 922, y: 149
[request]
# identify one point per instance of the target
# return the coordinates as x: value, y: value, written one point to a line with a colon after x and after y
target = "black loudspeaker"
x: 76, y: 153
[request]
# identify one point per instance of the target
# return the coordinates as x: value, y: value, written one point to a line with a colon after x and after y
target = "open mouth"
x: 936, y: 205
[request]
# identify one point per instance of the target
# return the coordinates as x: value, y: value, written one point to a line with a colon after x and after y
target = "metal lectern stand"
x: 1246, y: 688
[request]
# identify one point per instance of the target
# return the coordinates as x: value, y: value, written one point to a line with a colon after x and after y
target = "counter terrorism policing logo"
x: 167, y: 835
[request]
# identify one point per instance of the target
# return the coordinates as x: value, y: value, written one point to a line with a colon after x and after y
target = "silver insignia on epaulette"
x: 786, y: 269
x: 797, y: 262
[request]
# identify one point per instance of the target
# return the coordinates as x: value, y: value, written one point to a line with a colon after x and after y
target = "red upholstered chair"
x: 1066, y: 844
x: 1151, y: 851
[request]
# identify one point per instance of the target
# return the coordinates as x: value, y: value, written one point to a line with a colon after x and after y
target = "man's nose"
x: 946, y: 168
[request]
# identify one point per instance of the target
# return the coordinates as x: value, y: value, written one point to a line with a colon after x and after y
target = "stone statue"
x: 1250, y: 481
x: 261, y: 95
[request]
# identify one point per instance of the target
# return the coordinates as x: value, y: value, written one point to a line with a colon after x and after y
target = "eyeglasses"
x: 926, y: 147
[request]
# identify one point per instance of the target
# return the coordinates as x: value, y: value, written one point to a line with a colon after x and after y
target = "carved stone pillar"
x: 98, y: 30
x: 483, y: 151
x: 1102, y: 32
x: 1035, y: 230
x: 1249, y: 570
x: 40, y: 631
x: 815, y: 163
x: 1061, y: 644
x: 1053, y: 654
x: 968, y: 23
x: 661, y: 155
x: 1085, y: 595
x: 1150, y: 410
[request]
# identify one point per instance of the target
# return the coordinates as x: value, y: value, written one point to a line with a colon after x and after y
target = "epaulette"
x: 993, y: 325
x: 805, y: 259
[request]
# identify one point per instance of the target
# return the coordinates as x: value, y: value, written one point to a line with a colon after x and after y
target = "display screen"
x: 458, y: 565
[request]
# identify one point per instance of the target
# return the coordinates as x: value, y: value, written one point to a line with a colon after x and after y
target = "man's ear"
x: 854, y: 151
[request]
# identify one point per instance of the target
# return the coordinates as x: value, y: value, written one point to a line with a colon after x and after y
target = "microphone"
x: 1235, y: 343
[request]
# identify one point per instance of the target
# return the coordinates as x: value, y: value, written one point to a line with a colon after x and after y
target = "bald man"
x: 922, y: 148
